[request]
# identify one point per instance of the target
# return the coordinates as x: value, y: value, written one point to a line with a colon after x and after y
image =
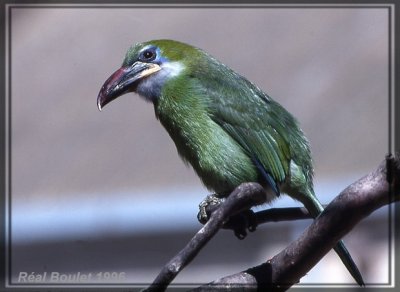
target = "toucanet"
x: 223, y: 125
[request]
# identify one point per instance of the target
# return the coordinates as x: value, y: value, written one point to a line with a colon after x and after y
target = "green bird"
x: 223, y: 125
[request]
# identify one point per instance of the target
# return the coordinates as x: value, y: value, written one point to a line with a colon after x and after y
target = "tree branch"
x: 269, y: 215
x: 242, y: 198
x: 357, y: 201
x: 282, y: 214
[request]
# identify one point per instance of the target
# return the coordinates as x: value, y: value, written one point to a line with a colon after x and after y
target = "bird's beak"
x: 121, y: 81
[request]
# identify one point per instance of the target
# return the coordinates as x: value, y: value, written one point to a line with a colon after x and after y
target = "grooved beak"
x: 122, y: 81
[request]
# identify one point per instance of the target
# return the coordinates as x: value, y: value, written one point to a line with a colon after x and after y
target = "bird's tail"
x: 315, y: 208
x: 345, y: 256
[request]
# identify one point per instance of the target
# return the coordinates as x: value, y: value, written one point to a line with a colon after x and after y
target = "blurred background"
x: 106, y: 191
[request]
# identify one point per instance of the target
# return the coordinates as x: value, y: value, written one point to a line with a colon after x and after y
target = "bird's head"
x: 146, y: 68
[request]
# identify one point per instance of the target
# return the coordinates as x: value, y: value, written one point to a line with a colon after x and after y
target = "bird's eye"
x: 148, y: 55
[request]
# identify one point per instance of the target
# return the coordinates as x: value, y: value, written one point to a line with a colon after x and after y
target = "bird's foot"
x: 239, y: 223
x: 207, y: 206
x: 242, y: 222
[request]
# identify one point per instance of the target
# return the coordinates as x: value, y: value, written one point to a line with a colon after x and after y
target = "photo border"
x: 6, y: 126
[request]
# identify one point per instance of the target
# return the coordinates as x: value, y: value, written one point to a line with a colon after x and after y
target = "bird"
x: 223, y: 125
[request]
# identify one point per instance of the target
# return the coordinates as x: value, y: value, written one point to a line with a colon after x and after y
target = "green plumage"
x: 221, y: 122
x: 224, y: 126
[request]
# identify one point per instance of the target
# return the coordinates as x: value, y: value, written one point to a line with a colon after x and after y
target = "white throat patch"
x: 172, y: 69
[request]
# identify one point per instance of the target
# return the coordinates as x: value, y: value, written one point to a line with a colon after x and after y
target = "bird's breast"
x: 219, y: 161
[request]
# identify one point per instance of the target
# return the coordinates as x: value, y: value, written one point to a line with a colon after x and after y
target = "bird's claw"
x: 242, y: 222
x: 239, y: 223
x: 204, y: 214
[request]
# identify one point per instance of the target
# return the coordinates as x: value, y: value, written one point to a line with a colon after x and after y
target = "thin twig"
x: 282, y: 214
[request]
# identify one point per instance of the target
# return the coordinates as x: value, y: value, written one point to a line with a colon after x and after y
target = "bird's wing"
x: 260, y: 125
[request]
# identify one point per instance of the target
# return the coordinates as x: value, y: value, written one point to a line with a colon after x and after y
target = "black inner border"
x: 6, y: 160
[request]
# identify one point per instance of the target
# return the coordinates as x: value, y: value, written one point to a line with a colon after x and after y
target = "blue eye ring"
x: 148, y: 55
